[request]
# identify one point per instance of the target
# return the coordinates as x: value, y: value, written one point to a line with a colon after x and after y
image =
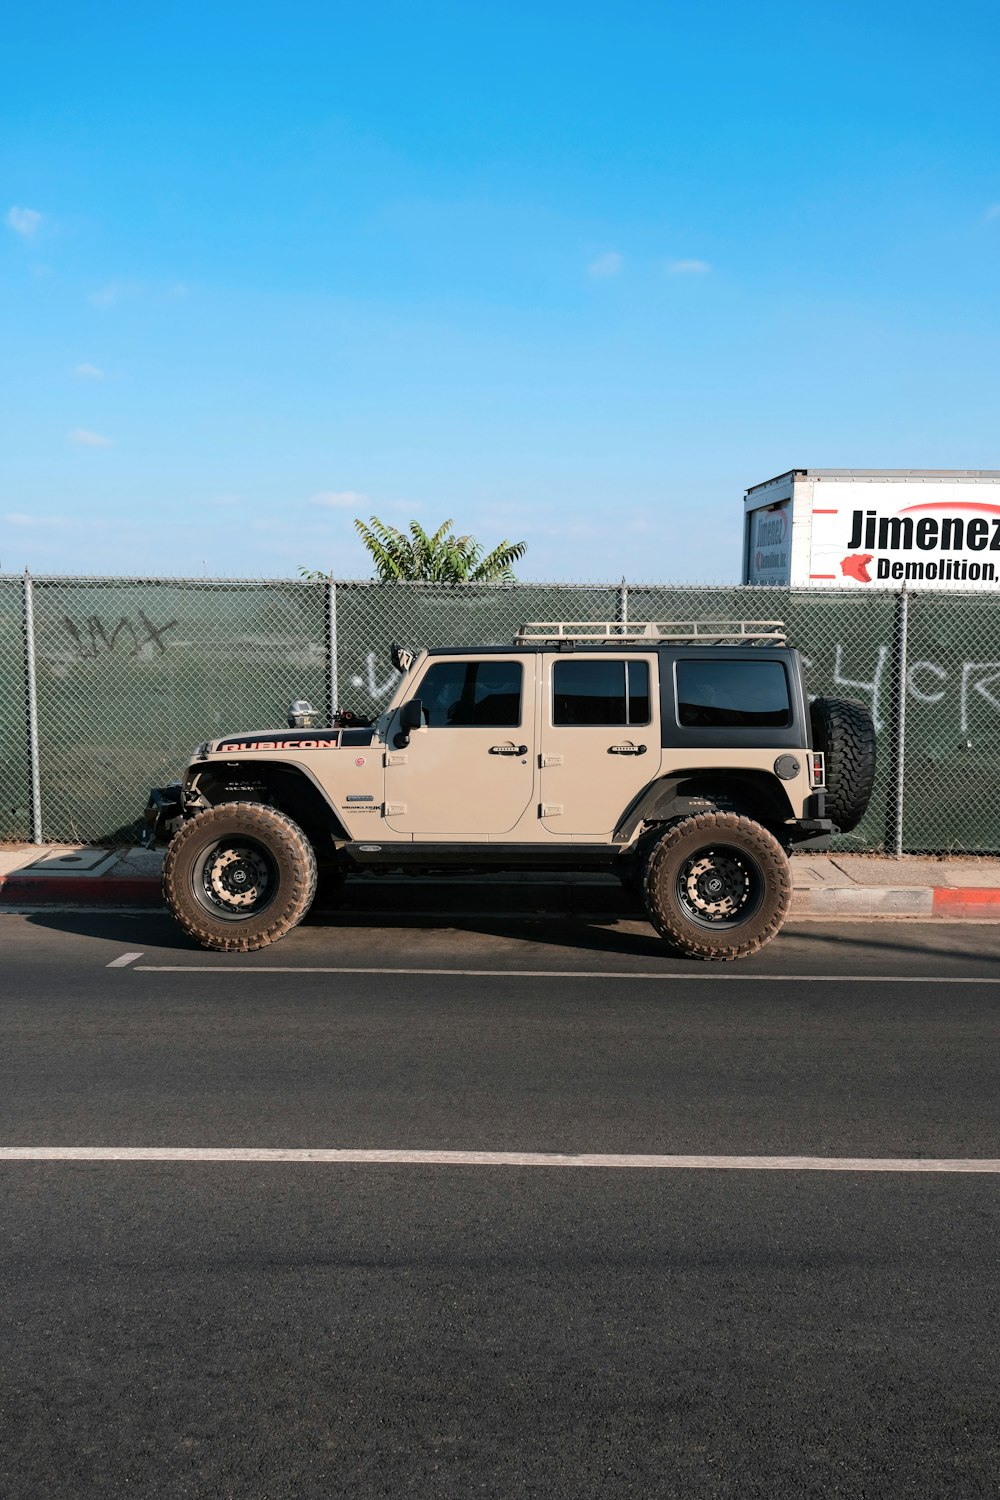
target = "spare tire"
x: 844, y: 731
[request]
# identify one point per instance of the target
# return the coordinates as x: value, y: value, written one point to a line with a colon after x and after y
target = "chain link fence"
x: 107, y: 684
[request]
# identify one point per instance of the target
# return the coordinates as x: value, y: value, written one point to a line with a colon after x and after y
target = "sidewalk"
x: 825, y: 885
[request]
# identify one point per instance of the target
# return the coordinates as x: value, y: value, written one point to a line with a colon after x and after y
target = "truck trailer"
x: 876, y: 528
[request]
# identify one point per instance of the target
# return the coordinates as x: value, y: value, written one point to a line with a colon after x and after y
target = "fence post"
x: 898, y: 772
x: 31, y: 685
x: 331, y: 647
x: 621, y: 613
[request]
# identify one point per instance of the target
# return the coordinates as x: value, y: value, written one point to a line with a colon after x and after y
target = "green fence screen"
x: 132, y: 673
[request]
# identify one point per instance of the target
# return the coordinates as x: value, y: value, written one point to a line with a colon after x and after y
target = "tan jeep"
x: 685, y: 758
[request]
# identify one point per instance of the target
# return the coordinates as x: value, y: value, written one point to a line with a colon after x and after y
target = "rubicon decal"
x: 228, y: 746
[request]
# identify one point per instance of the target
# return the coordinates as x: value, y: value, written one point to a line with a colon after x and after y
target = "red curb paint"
x: 968, y: 901
x: 79, y: 890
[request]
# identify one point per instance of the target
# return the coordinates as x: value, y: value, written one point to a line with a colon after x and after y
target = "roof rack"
x: 680, y: 632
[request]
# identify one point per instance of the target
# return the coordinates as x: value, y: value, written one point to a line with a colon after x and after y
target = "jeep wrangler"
x: 684, y: 757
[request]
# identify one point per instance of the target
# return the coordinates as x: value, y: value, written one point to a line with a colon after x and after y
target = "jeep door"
x: 470, y: 770
x: 600, y: 738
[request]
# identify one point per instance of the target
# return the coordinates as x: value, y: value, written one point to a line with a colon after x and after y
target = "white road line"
x: 504, y: 1159
x: 710, y: 972
x: 123, y: 961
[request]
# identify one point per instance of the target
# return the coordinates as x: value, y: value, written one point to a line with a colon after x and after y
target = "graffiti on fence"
x: 926, y: 682
x: 96, y: 638
x: 376, y: 690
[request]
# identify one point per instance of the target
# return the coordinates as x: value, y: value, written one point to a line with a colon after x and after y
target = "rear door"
x: 600, y: 738
x: 471, y: 770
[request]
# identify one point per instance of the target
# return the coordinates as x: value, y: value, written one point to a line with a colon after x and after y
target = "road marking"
x: 123, y: 961
x: 504, y: 1159
x: 710, y: 973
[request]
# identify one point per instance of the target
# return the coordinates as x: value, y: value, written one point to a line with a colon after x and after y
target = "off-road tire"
x: 283, y: 846
x: 844, y: 731
x: 744, y: 845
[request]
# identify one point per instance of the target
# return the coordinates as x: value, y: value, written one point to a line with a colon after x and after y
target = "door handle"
x: 626, y: 749
x: 508, y: 749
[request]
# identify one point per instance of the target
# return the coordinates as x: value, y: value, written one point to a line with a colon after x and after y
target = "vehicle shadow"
x: 596, y: 919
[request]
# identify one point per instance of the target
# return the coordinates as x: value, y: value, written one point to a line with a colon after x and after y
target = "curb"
x: 79, y: 890
x: 981, y: 903
x: 955, y: 903
x: 866, y: 901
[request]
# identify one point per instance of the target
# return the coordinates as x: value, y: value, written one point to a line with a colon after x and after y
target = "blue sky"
x: 576, y: 274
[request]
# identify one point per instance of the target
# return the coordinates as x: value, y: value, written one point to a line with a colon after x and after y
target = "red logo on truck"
x: 856, y: 566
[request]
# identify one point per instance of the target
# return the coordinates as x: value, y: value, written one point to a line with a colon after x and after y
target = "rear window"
x: 732, y: 695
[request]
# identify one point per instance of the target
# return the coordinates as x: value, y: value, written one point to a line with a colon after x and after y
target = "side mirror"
x: 411, y: 716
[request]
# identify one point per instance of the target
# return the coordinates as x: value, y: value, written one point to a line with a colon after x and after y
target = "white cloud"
x: 23, y: 221
x: 87, y: 439
x: 993, y: 212
x: 688, y: 267
x: 340, y: 500
x: 18, y: 518
x: 88, y: 372
x: 606, y: 265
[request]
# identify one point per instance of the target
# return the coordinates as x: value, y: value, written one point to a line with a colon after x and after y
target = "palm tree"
x: 441, y: 558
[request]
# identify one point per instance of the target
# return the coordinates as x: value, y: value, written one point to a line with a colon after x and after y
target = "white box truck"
x: 884, y: 528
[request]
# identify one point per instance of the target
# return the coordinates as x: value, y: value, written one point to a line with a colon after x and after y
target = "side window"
x: 732, y: 694
x: 472, y: 693
x: 600, y: 692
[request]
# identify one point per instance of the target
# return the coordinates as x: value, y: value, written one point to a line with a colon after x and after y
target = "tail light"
x: 818, y: 770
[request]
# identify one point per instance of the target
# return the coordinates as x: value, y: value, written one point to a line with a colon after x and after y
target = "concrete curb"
x: 866, y: 901
x: 79, y: 890
x: 972, y: 903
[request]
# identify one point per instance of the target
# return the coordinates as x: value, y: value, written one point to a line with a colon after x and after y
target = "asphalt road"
x: 271, y: 1329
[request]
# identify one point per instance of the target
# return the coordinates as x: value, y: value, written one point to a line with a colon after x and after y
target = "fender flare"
x: 683, y: 794
x: 321, y: 816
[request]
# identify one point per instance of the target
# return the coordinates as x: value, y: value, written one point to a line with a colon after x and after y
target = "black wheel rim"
x: 235, y: 878
x: 720, y: 886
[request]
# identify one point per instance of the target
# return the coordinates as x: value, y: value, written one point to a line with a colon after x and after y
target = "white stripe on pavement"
x: 709, y: 972
x: 123, y: 961
x: 503, y: 1159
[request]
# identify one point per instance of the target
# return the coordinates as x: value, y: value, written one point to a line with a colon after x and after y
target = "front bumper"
x: 163, y: 815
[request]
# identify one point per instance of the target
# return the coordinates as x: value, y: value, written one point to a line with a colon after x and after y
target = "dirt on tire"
x: 293, y: 876
x: 737, y: 844
x: 844, y: 731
